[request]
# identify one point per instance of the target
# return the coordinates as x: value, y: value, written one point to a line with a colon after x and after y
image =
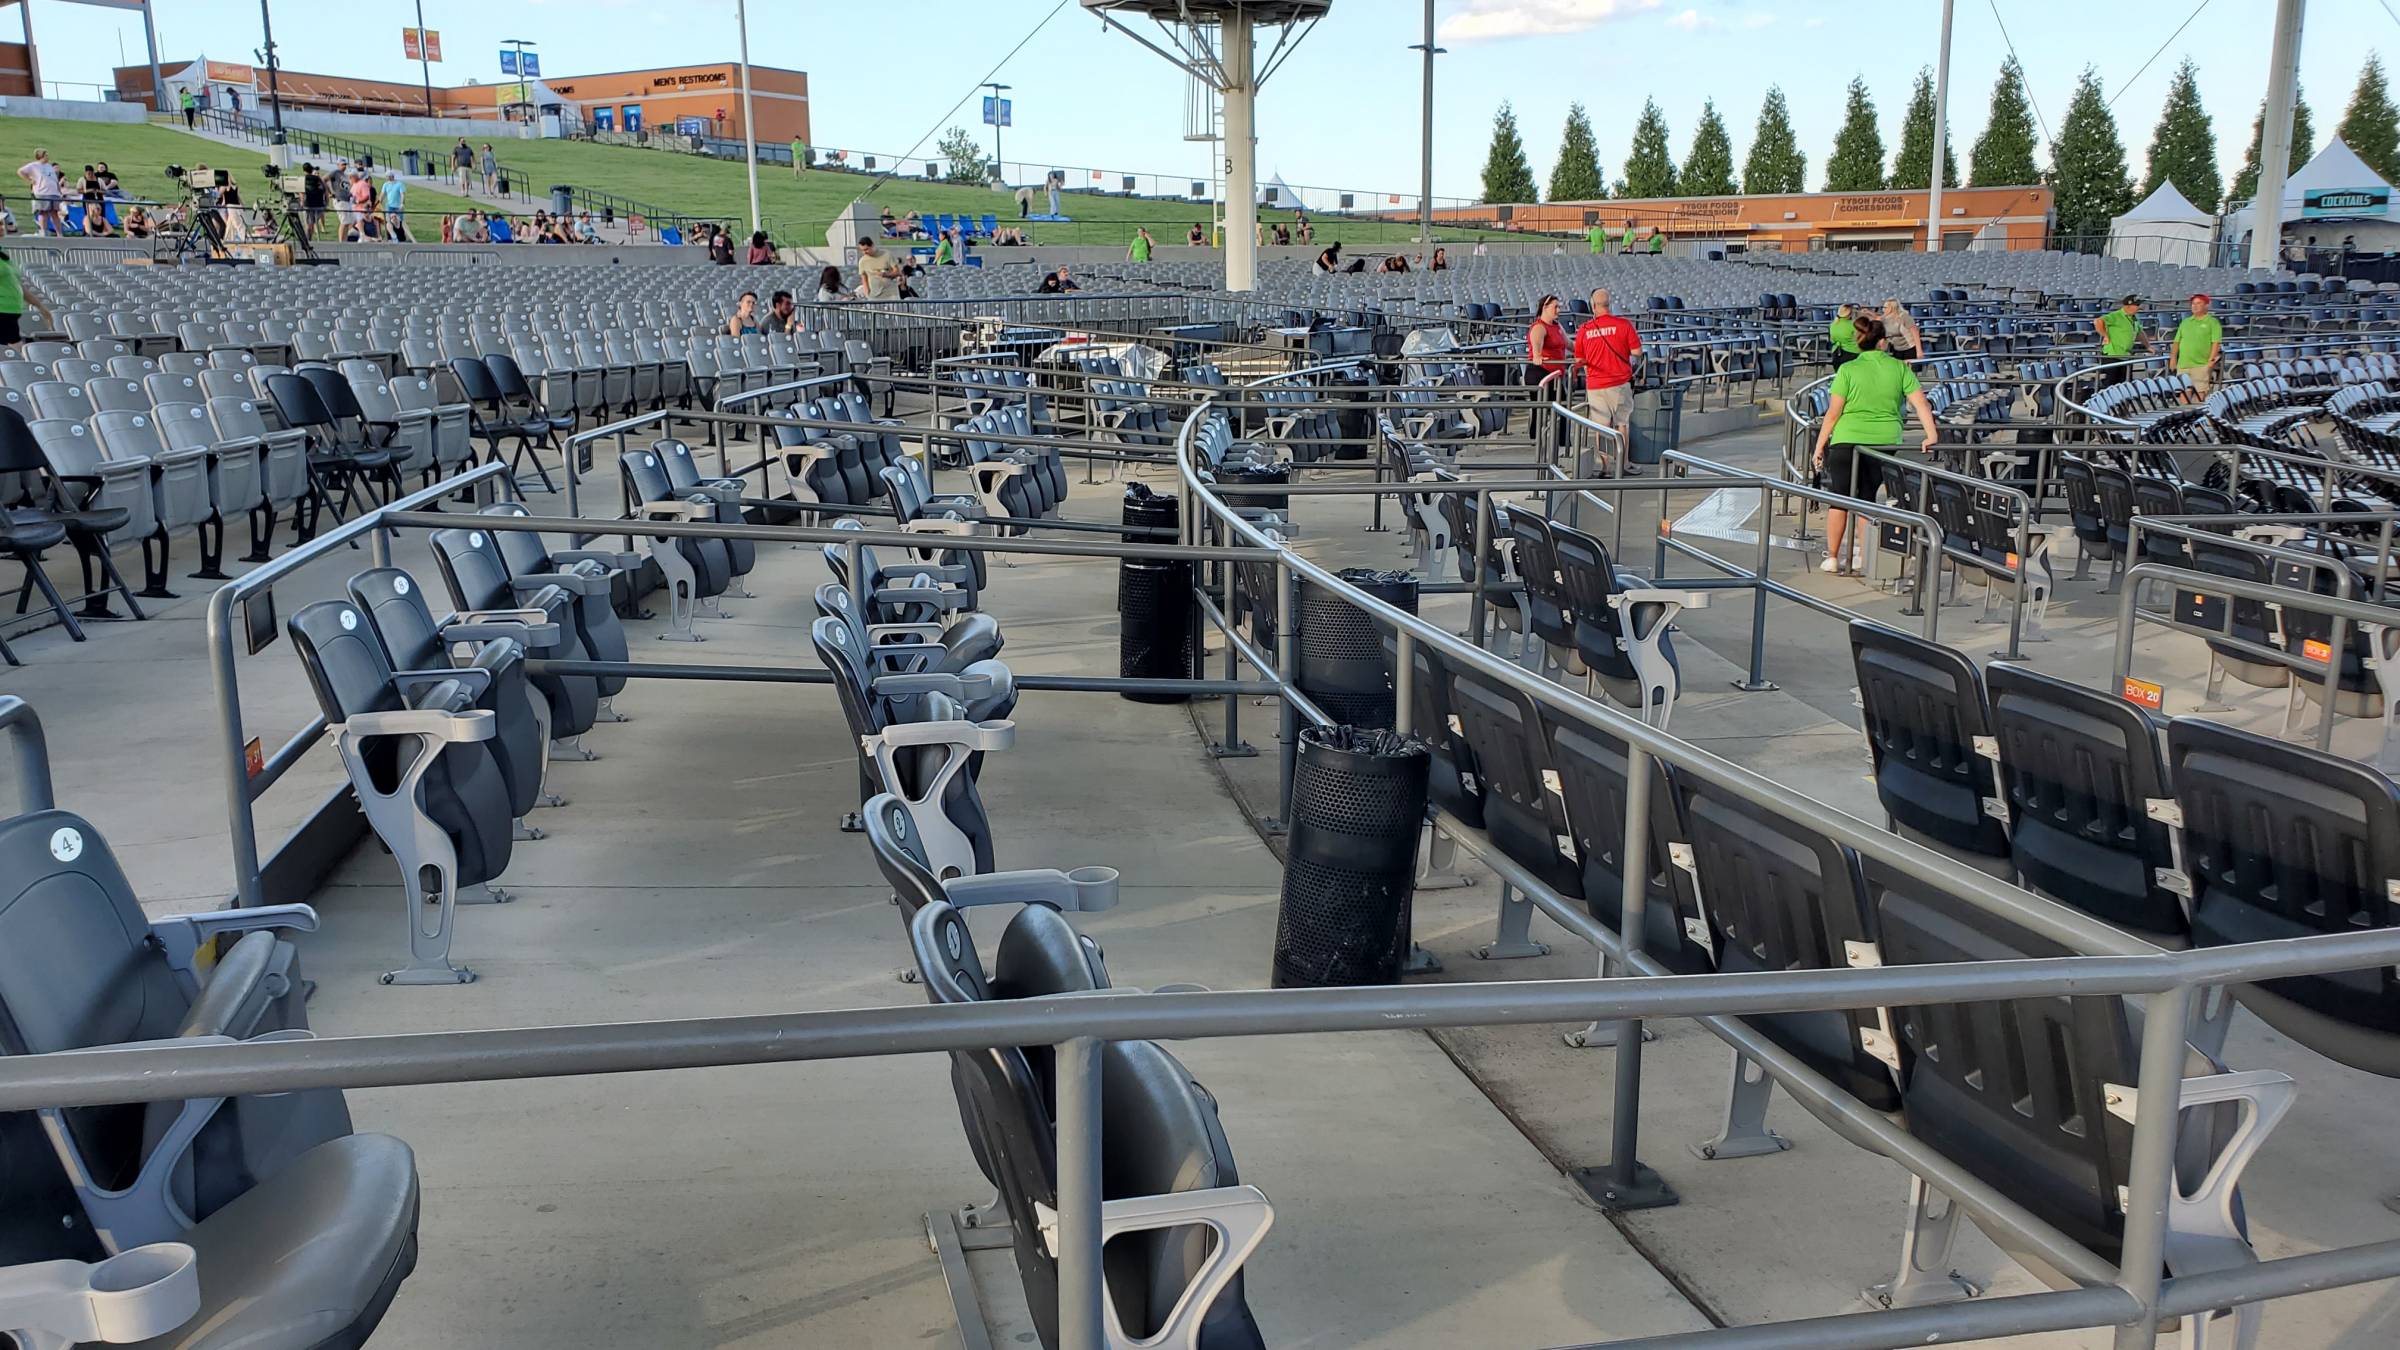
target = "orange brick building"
x: 2008, y: 217
x: 625, y: 100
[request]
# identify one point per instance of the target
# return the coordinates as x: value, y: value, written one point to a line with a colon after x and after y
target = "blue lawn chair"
x: 669, y: 234
x: 991, y: 225
x: 499, y: 233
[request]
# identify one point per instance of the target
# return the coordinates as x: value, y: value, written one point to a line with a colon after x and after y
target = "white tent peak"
x: 2336, y: 166
x: 2163, y: 205
x: 1276, y: 192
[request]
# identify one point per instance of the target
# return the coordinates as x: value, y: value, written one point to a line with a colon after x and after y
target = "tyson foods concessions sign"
x: 1870, y: 206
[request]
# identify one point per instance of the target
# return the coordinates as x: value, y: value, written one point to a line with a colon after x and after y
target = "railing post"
x: 1287, y: 658
x: 1081, y: 1322
x: 1476, y: 606
x: 1404, y: 682
x: 241, y: 824
x: 1628, y: 1183
x: 2151, y: 1169
x: 1758, y: 682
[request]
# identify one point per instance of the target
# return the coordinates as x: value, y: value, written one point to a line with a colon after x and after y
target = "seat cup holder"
x: 1095, y: 888
x: 133, y: 1296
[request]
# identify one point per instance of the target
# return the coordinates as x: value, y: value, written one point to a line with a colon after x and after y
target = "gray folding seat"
x: 232, y: 358
x: 105, y: 485
x: 117, y: 394
x: 918, y: 739
x: 674, y: 374
x: 418, y: 760
x: 480, y: 585
x: 179, y: 482
x: 424, y: 649
x: 22, y: 376
x: 699, y: 358
x: 100, y: 349
x: 694, y: 570
x: 421, y: 353
x: 46, y: 353
x: 624, y: 351
x: 40, y: 507
x: 173, y: 387
x: 453, y: 424
x: 236, y: 485
x: 552, y: 371
x: 75, y: 371
x: 617, y: 389
x: 131, y: 367
x: 283, y: 468
x: 735, y: 375
x: 590, y: 575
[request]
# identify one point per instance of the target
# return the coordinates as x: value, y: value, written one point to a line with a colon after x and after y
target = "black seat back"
x: 1923, y: 707
x: 1537, y: 566
x: 475, y: 381
x: 1591, y: 770
x: 297, y: 401
x: 2079, y: 769
x: 2283, y: 841
x: 1455, y: 781
x: 332, y: 390
x: 1777, y: 897
x: 1589, y: 577
x: 2015, y: 1091
x: 1524, y: 818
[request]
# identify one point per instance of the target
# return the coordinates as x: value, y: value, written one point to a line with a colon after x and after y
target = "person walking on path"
x: 800, y: 155
x: 191, y: 110
x: 2120, y: 332
x: 491, y: 170
x: 2199, y: 341
x: 1843, y: 333
x: 1607, y: 346
x: 49, y: 192
x: 1864, y: 410
x: 462, y: 164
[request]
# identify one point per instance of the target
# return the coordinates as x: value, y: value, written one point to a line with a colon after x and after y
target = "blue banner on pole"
x: 508, y: 61
x: 996, y: 111
x: 533, y: 64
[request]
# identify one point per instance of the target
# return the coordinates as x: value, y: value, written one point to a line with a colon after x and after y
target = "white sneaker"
x: 1829, y: 565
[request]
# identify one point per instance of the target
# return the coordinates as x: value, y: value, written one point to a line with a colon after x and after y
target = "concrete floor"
x: 1418, y: 1179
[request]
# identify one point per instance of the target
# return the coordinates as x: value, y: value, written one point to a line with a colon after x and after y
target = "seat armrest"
x: 139, y: 1294
x: 146, y: 1208
x: 472, y: 681
x: 961, y: 687
x: 1239, y: 1217
x: 880, y: 633
x: 475, y: 724
x: 940, y: 597
x: 1083, y: 890
x: 565, y: 581
x: 179, y: 937
x: 229, y: 1002
x: 902, y: 658
x: 948, y: 525
x: 995, y: 735
x: 676, y: 510
x: 616, y: 562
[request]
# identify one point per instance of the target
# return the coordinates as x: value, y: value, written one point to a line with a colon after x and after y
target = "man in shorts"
x: 49, y: 193
x: 1607, y: 347
x: 2199, y: 341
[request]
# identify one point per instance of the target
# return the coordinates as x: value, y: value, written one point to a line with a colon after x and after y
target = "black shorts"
x: 1842, y: 357
x: 1839, y: 460
x: 11, y: 329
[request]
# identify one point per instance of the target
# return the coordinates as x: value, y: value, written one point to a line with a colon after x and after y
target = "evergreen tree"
x: 1912, y: 167
x: 1507, y: 175
x: 2183, y: 150
x: 2304, y: 144
x: 1708, y: 169
x: 1856, y: 164
x: 2003, y: 154
x: 1576, y: 176
x: 1649, y: 167
x: 2372, y: 126
x: 1775, y: 163
x: 2088, y: 164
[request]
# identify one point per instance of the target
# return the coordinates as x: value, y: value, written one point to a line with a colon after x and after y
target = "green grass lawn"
x: 140, y: 155
x: 797, y: 208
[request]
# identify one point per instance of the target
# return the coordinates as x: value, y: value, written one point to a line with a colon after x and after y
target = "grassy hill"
x: 798, y: 207
x: 140, y: 155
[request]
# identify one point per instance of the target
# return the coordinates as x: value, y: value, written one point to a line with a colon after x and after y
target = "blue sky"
x: 1343, y: 112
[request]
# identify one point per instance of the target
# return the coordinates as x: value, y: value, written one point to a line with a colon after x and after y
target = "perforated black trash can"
x: 1349, y: 874
x: 1342, y: 666
x: 1157, y: 619
x: 1262, y: 475
x: 1147, y: 512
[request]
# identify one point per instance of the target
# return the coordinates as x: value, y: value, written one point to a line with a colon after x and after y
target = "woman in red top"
x: 1546, y: 342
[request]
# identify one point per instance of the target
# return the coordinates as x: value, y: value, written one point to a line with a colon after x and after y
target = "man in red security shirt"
x: 1607, y: 346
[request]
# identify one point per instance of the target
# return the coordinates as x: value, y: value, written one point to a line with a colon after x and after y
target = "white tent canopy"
x: 1276, y: 192
x: 2335, y: 168
x: 2166, y: 228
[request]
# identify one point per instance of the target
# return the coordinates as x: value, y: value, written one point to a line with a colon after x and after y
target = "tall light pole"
x: 1941, y: 136
x: 741, y: 19
x: 1425, y: 147
x: 999, y: 165
x: 2275, y: 138
x: 425, y: 59
x: 266, y: 25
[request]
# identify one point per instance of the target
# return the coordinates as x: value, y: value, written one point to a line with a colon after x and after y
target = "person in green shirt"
x: 1864, y: 410
x: 1843, y: 334
x: 191, y: 109
x: 12, y: 303
x: 1139, y: 251
x: 1597, y: 237
x: 800, y: 155
x: 2120, y: 332
x: 1658, y: 241
x: 2199, y: 340
x: 1625, y: 241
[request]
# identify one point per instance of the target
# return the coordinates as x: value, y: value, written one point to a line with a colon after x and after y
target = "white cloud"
x: 1814, y: 22
x: 1482, y: 20
x: 1758, y: 20
x: 1691, y: 21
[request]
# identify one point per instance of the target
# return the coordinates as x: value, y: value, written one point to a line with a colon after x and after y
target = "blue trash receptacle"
x: 1657, y: 422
